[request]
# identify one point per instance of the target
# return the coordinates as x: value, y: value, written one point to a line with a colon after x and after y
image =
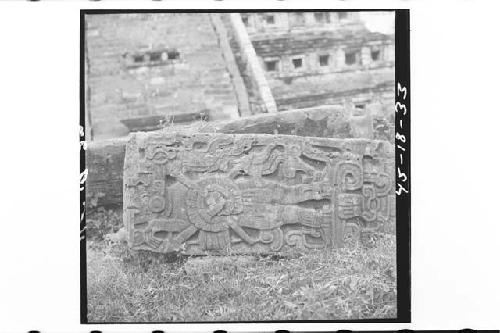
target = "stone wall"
x: 275, y: 22
x: 315, y: 68
x: 255, y: 101
x: 325, y: 58
x: 144, y: 68
x: 105, y: 158
x: 253, y: 193
x: 260, y: 95
x: 240, y: 89
x: 145, y: 71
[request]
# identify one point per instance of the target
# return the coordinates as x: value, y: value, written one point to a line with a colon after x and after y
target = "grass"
x: 328, y: 285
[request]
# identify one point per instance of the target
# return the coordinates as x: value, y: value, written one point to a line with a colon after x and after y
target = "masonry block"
x: 105, y: 158
x: 134, y: 62
x: 253, y: 193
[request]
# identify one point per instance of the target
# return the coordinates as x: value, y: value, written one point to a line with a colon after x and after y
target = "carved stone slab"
x: 253, y: 193
x: 105, y: 158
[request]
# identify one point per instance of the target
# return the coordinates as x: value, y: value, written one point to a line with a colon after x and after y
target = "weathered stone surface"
x: 320, y: 58
x: 104, y: 161
x: 147, y: 65
x: 105, y: 158
x: 328, y: 121
x: 253, y: 193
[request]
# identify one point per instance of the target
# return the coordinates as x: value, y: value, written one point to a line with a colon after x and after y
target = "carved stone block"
x: 105, y: 158
x: 253, y: 193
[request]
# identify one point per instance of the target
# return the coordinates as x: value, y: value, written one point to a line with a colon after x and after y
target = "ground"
x: 337, y: 284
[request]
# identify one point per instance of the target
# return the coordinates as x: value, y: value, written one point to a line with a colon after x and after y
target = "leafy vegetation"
x: 325, y: 285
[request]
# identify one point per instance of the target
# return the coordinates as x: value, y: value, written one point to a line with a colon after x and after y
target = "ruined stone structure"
x: 253, y: 193
x: 105, y: 158
x: 304, y: 74
x: 323, y: 58
x: 144, y: 71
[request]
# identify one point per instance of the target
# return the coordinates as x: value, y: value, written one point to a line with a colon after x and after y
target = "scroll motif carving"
x: 252, y: 193
x: 350, y: 175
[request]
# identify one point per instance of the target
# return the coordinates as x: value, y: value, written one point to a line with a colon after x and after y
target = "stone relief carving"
x: 253, y: 193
